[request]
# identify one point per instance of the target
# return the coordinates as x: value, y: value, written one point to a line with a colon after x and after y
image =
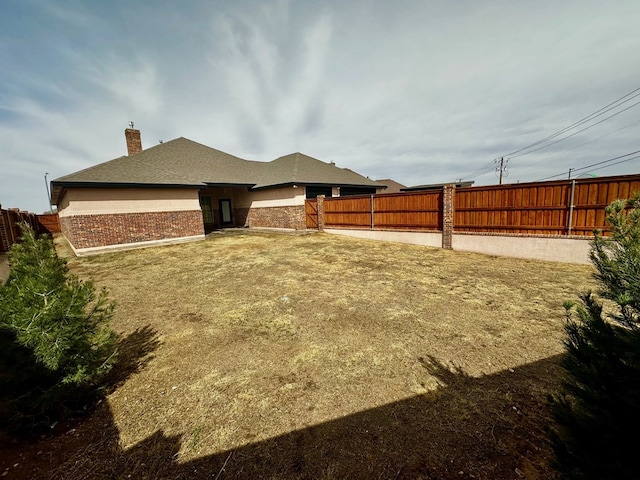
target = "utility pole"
x: 46, y: 184
x: 502, y: 168
x: 570, y: 173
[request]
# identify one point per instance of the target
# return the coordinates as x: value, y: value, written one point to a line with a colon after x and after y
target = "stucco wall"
x: 555, y: 249
x: 97, y: 201
x: 274, y: 197
x: 237, y: 195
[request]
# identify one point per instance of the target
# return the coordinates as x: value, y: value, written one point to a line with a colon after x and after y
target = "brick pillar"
x: 4, y: 235
x: 320, y: 205
x: 134, y: 143
x: 448, y: 196
x: 300, y: 217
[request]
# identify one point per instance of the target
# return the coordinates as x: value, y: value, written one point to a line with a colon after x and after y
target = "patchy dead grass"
x: 319, y: 356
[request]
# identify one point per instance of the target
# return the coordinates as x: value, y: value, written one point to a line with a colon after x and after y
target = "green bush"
x: 55, y: 341
x: 597, y: 413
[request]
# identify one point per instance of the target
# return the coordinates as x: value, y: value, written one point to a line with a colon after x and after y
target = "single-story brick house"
x: 179, y: 190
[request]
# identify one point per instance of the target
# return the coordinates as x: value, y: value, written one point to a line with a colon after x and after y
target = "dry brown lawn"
x: 268, y: 355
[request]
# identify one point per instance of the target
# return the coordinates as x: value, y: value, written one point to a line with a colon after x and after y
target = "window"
x: 225, y: 212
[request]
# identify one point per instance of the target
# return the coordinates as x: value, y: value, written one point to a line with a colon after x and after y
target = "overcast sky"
x: 418, y: 91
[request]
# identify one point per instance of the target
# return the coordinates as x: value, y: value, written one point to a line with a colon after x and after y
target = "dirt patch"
x: 319, y: 356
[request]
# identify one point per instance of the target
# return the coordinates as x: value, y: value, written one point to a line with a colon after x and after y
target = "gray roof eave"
x: 227, y: 184
x: 126, y: 184
x: 322, y: 184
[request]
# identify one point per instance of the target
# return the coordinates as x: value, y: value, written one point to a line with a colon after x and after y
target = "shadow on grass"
x: 492, y: 427
x: 26, y: 412
x: 135, y: 351
x: 23, y: 457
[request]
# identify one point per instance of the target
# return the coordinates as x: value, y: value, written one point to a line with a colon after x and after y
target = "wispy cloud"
x: 421, y: 92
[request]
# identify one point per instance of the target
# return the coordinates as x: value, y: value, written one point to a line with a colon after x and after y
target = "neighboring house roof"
x: 185, y: 163
x: 392, y: 185
x: 436, y: 186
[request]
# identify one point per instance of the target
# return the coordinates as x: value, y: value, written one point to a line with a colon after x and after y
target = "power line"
x: 575, y: 133
x: 606, y: 161
x: 486, y: 168
x: 564, y: 152
x: 591, y: 116
x: 596, y: 164
x: 499, y: 164
x: 616, y: 163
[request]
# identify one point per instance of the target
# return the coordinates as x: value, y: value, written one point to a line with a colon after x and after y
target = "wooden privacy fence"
x: 11, y: 219
x: 565, y: 207
x: 399, y: 211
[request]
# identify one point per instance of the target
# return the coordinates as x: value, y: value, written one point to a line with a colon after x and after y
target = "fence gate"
x: 311, y: 213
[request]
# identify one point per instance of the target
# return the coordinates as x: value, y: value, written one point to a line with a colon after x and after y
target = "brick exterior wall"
x: 87, y: 231
x: 292, y: 217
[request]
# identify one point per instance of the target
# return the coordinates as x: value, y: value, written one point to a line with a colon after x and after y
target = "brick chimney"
x: 134, y: 143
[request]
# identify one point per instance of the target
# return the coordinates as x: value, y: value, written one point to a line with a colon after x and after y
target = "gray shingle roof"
x: 183, y: 162
x: 392, y: 185
x: 303, y: 169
